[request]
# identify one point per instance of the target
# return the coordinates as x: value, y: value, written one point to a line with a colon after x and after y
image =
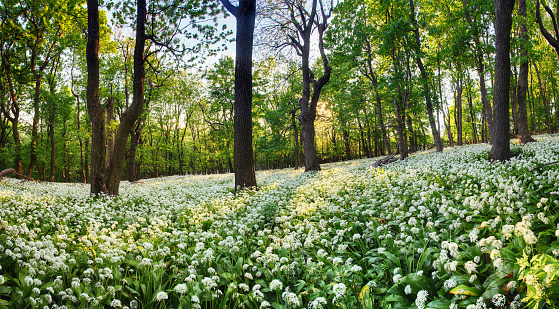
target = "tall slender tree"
x: 243, y: 156
x: 522, y: 116
x: 95, y: 110
x: 425, y: 81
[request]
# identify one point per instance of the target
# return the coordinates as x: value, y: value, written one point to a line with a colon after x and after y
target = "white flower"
x: 499, y: 300
x: 407, y: 289
x: 290, y: 298
x: 318, y: 303
x: 276, y: 285
x: 339, y: 289
x: 161, y: 296
x: 450, y: 283
x: 421, y: 299
x: 116, y: 303
x: 181, y: 288
x: 470, y: 266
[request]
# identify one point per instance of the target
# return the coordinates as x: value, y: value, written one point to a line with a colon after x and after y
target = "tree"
x: 501, y: 126
x: 243, y: 157
x: 95, y: 110
x: 425, y: 81
x: 164, y: 26
x: 553, y: 41
x: 522, y: 117
x: 476, y: 25
x: 294, y: 21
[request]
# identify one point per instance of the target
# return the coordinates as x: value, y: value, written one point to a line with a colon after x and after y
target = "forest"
x: 279, y: 154
x: 375, y: 103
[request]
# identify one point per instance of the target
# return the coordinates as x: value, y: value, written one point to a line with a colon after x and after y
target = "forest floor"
x: 437, y: 230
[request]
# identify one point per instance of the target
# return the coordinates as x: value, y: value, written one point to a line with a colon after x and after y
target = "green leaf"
x: 465, y: 290
x: 394, y: 259
x: 439, y: 303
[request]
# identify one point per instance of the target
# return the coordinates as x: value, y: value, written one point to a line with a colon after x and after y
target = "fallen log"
x: 13, y: 171
x: 386, y: 160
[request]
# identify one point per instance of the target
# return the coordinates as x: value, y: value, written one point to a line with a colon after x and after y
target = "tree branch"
x: 552, y: 41
x: 234, y: 10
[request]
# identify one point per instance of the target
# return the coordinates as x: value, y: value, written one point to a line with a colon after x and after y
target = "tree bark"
x: 95, y: 109
x: 110, y: 110
x: 402, y: 146
x: 458, y: 106
x: 424, y: 80
x: 554, y: 42
x: 501, y: 127
x: 472, y: 115
x: 243, y: 155
x: 542, y: 97
x: 521, y: 113
x: 296, y: 140
x: 133, y: 112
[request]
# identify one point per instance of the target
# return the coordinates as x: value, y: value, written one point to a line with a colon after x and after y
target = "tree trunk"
x: 448, y: 129
x: 402, y: 147
x: 133, y: 112
x: 34, y: 126
x: 296, y: 139
x: 95, y: 109
x: 472, y: 115
x: 424, y: 80
x: 481, y: 74
x: 52, y: 149
x: 110, y: 108
x: 501, y: 127
x: 458, y: 107
x: 542, y: 97
x: 243, y: 155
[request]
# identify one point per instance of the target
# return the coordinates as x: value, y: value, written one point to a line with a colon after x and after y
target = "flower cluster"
x: 440, y: 230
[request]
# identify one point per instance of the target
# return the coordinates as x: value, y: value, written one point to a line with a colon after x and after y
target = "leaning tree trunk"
x: 95, y: 109
x: 522, y: 115
x: 501, y: 126
x: 424, y: 80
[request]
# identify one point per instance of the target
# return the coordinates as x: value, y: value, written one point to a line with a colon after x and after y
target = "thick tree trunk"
x: 243, y: 155
x: 94, y: 107
x: 110, y: 108
x: 424, y: 80
x: 501, y: 127
x: 133, y: 112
